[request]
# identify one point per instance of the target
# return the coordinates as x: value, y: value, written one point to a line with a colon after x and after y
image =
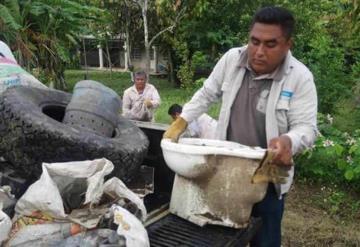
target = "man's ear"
x: 290, y: 43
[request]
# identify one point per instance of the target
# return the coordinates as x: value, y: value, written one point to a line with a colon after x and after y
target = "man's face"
x: 267, y: 47
x: 140, y: 83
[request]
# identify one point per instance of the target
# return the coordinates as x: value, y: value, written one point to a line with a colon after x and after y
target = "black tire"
x: 31, y: 132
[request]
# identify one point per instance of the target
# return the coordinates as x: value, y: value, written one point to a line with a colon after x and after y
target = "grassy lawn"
x: 119, y: 81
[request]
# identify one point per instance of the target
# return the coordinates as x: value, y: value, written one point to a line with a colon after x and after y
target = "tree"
x: 208, y: 29
x: 44, y: 31
x: 14, y: 30
x: 144, y: 5
x: 126, y: 23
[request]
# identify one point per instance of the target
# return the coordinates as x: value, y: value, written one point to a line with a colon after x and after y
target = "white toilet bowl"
x: 213, y: 180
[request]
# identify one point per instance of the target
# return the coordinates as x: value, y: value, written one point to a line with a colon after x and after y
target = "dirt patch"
x: 307, y: 222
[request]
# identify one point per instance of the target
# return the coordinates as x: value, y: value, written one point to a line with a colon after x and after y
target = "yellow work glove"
x: 148, y: 103
x: 176, y: 129
x: 270, y: 172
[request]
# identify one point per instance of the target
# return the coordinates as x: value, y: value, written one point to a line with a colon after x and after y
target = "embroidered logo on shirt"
x: 286, y: 95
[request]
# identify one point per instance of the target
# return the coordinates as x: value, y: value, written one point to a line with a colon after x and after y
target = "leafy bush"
x: 347, y: 114
x: 198, y: 59
x: 335, y: 156
x: 186, y: 75
x: 347, y: 109
x: 327, y: 64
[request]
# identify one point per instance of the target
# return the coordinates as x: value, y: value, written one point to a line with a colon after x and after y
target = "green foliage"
x: 325, y: 40
x: 199, y: 83
x: 43, y: 32
x: 327, y: 36
x: 185, y: 72
x: 327, y: 64
x: 186, y: 75
x: 117, y: 81
x: 198, y: 59
x: 347, y: 114
x: 335, y: 157
x: 347, y: 109
x: 319, y: 44
x: 337, y: 201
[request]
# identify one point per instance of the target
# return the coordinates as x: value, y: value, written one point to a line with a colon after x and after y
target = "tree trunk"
x: 85, y: 61
x: 144, y: 8
x: 213, y: 51
x: 108, y: 57
x: 171, y: 73
x: 127, y: 37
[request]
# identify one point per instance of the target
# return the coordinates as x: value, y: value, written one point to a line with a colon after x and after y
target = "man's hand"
x: 270, y: 172
x: 176, y: 129
x: 148, y: 103
x: 276, y: 163
x: 281, y: 146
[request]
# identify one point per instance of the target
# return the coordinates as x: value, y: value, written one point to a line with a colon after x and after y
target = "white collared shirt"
x: 133, y: 103
x: 203, y: 127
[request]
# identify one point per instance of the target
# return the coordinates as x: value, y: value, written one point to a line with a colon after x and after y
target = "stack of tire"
x: 32, y: 132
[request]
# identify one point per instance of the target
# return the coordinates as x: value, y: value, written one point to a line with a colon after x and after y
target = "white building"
x: 96, y: 56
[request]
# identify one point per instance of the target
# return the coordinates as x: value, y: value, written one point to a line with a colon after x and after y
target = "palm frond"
x: 7, y: 19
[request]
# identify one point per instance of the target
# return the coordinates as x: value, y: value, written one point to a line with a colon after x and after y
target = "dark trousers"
x: 270, y: 209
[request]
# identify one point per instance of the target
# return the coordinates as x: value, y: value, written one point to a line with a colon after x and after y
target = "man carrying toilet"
x: 268, y: 100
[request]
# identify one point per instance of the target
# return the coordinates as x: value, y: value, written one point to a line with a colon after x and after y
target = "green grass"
x: 119, y: 81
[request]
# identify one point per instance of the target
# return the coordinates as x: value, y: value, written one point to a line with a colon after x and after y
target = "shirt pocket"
x: 225, y: 90
x: 281, y: 111
x: 262, y: 101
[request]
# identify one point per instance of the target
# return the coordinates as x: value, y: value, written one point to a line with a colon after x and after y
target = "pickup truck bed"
x: 166, y: 229
x: 172, y: 230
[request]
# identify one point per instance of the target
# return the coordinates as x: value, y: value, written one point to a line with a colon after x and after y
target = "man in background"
x: 141, y: 99
x: 202, y: 127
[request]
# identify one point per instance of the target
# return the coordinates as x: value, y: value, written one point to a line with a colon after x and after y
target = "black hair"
x: 278, y: 16
x: 140, y: 73
x: 175, y: 108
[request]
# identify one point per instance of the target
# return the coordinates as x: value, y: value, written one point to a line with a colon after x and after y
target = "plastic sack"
x: 5, y: 226
x: 11, y: 74
x: 94, y: 238
x: 130, y: 227
x: 7, y: 200
x: 139, y: 111
x: 71, y: 193
x: 41, y: 234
